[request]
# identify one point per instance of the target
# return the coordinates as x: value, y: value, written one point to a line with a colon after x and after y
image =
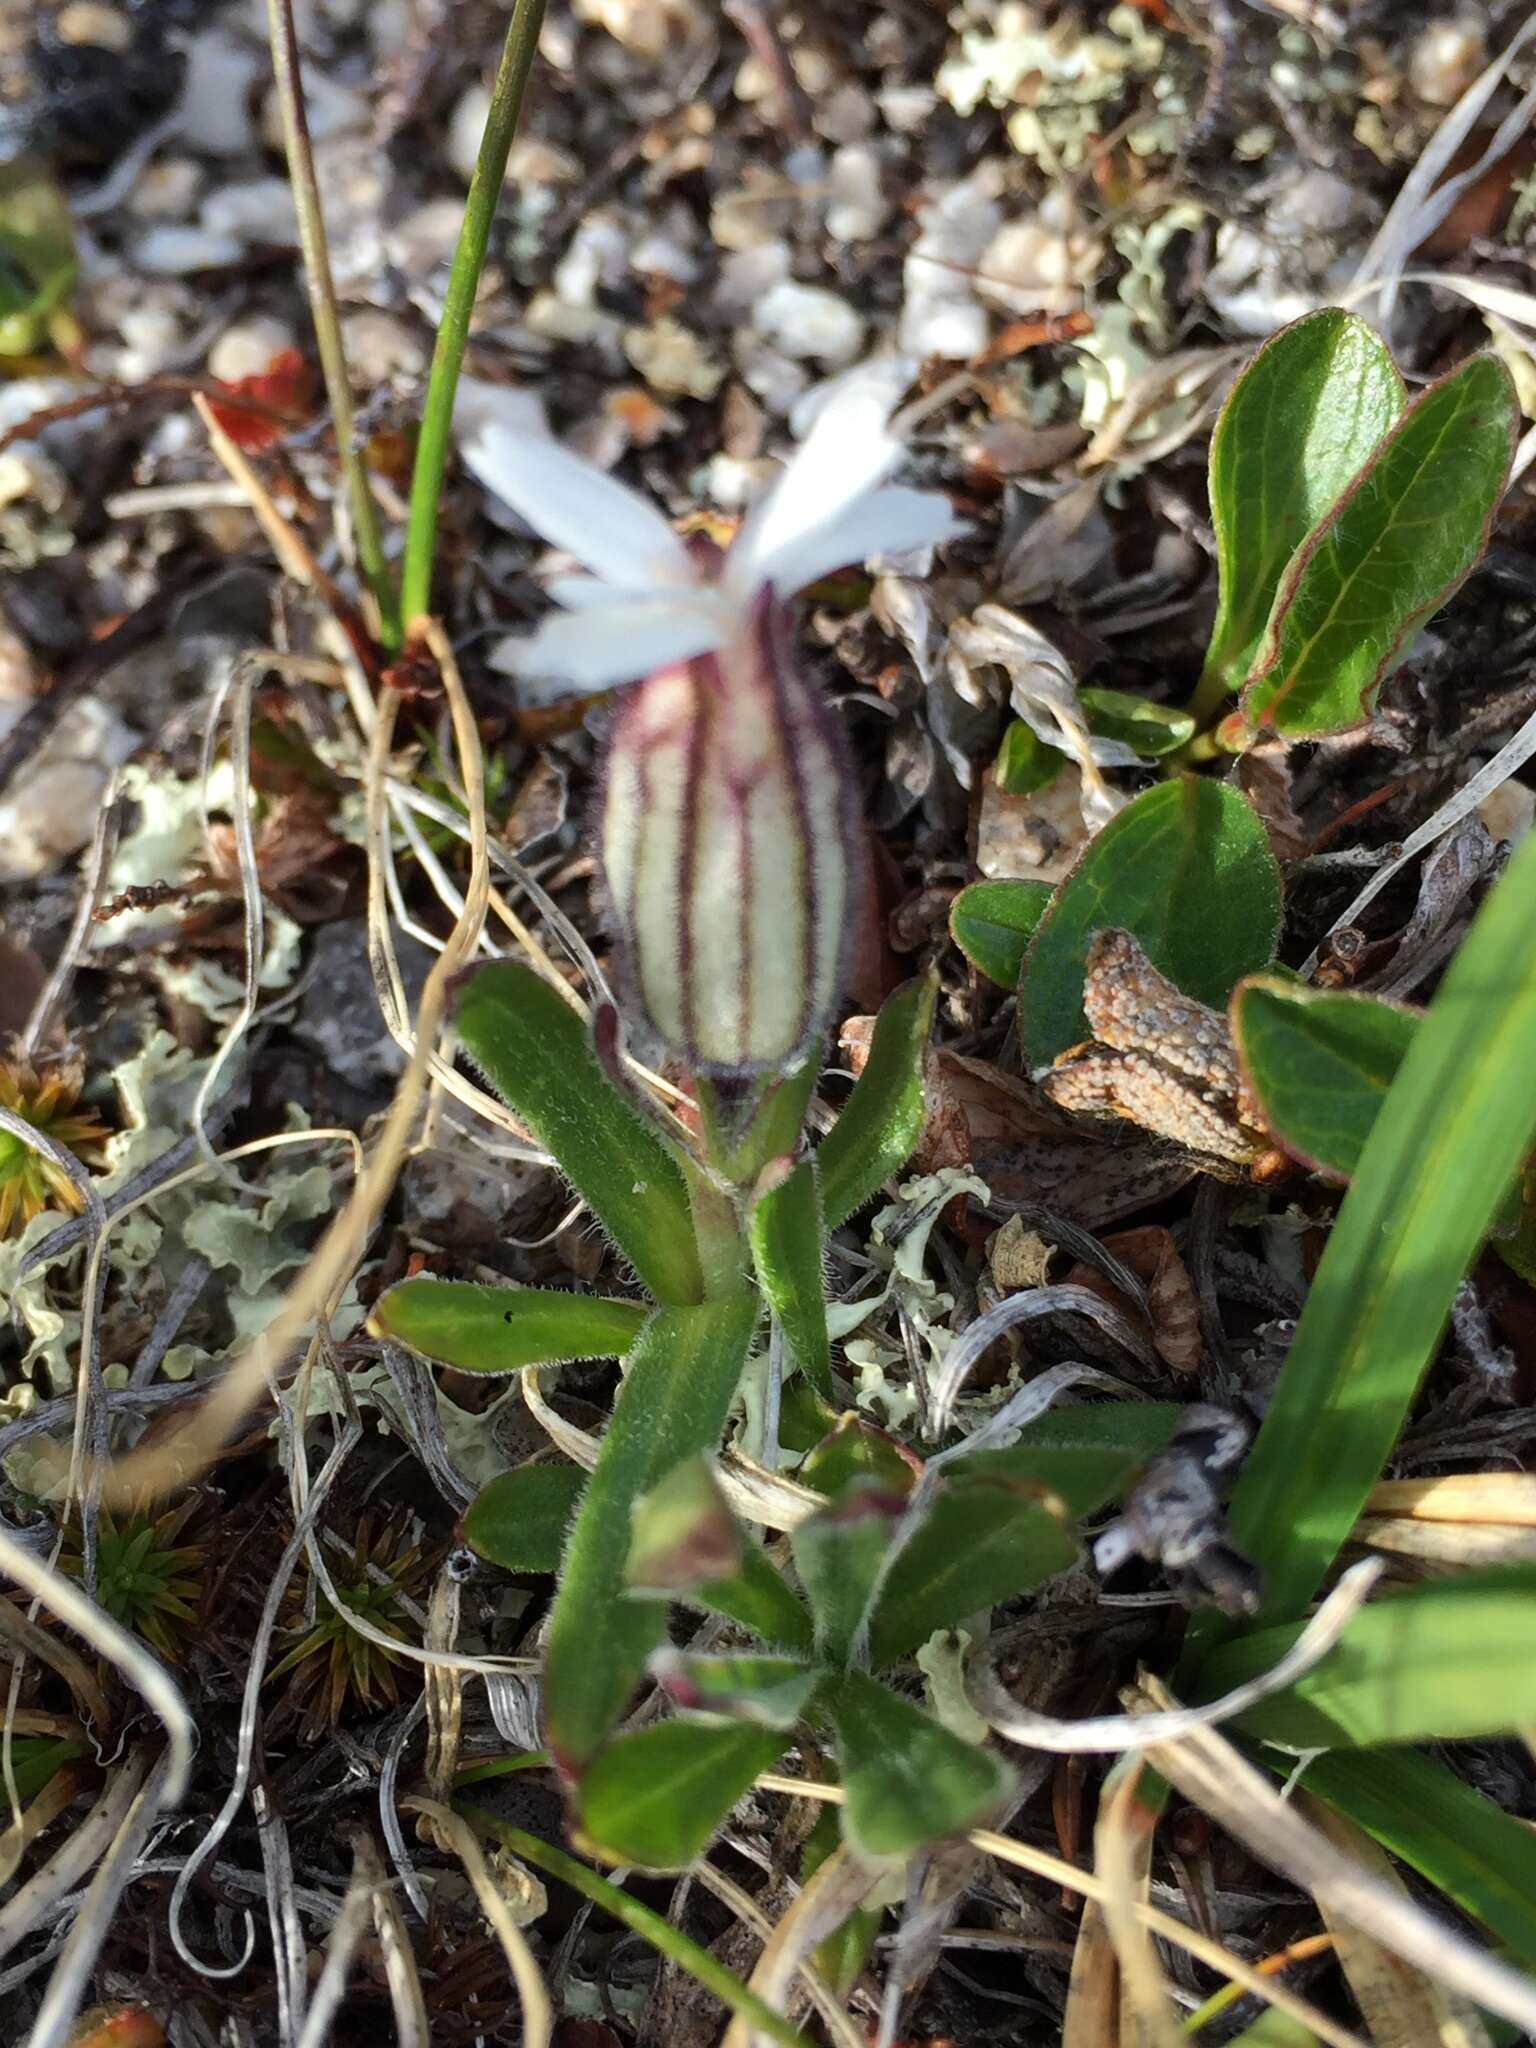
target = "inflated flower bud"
x: 729, y: 837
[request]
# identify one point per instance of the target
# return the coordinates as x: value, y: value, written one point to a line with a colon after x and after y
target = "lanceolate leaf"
x: 520, y: 1519
x: 1389, y: 554
x: 759, y: 1598
x: 993, y: 922
x: 771, y: 1691
x: 787, y: 1253
x: 656, y: 1796
x: 986, y: 1538
x: 907, y: 1781
x: 1442, y: 1153
x: 1087, y: 1454
x: 1301, y: 421
x: 1320, y: 1062
x: 501, y: 1329
x: 1447, y: 1659
x: 1477, y: 1854
x: 1187, y: 869
x: 882, y: 1119
x: 672, y: 1405
x: 536, y: 1053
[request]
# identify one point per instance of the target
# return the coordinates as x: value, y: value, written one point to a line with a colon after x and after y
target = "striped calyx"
x: 729, y: 839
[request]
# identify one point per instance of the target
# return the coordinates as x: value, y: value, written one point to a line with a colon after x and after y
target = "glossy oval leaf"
x: 907, y: 1781
x: 1299, y: 424
x: 1152, y: 729
x: 993, y: 922
x: 1186, y: 867
x: 502, y: 1329
x: 1319, y: 1062
x: 1405, y: 534
x: 1025, y: 762
x: 1442, y: 1154
x: 1443, y: 1661
x: 537, y: 1054
x: 788, y: 1250
x: 520, y: 1519
x: 882, y: 1119
x: 677, y: 1390
x: 656, y: 1796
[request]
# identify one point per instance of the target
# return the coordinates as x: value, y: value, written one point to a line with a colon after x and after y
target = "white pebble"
x: 673, y: 360
x: 246, y: 348
x: 260, y: 212
x: 214, y: 111
x: 808, y: 323
x: 169, y: 250
x: 857, y: 208
x: 1446, y: 58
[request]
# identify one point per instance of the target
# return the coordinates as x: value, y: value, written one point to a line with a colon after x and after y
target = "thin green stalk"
x: 322, y: 306
x: 459, y: 305
x: 641, y: 1920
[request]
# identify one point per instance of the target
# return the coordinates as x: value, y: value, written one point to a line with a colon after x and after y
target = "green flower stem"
x: 459, y: 304
x: 322, y: 305
x: 641, y: 1920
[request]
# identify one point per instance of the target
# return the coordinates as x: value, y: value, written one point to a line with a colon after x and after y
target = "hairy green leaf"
x: 882, y: 1119
x: 854, y: 1448
x: 788, y: 1249
x: 1446, y: 1659
x: 501, y: 1329
x: 987, y: 1537
x: 520, y: 1519
x: 1301, y: 421
x: 771, y: 1691
x: 677, y: 1390
x: 1319, y: 1062
x: 655, y: 1797
x: 537, y: 1055
x: 758, y: 1598
x: 1186, y: 867
x: 993, y: 922
x: 1087, y: 1454
x: 1389, y: 554
x: 906, y: 1780
x: 839, y: 1553
x: 1445, y: 1147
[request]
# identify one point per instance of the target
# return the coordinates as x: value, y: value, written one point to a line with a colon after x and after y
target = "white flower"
x: 729, y: 825
x: 648, y: 600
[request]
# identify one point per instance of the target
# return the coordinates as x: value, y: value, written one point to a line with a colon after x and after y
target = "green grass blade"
x: 1441, y: 1827
x: 502, y: 1329
x: 640, y: 1919
x: 677, y: 1390
x: 537, y: 1055
x: 882, y: 1119
x: 788, y: 1247
x: 1446, y: 1144
x: 1448, y: 1659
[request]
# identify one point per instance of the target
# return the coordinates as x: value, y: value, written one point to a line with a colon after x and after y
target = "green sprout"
x: 46, y: 1095
x: 145, y: 1579
x: 376, y: 1577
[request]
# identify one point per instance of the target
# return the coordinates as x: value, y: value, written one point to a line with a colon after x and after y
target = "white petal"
x: 848, y: 452
x: 592, y: 650
x: 886, y: 522
x: 580, y: 593
x: 602, y: 523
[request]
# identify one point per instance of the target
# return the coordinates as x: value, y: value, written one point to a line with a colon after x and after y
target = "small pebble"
x: 260, y: 212
x: 1042, y: 263
x: 166, y: 189
x: 214, y: 111
x: 857, y: 207
x: 941, y: 315
x: 1446, y: 58
x: 808, y: 323
x: 246, y: 347
x: 673, y: 360
x: 169, y: 250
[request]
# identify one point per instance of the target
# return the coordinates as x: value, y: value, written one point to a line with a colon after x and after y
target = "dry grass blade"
x: 339, y: 1951
x: 63, y: 1598
x: 538, y: 2016
x: 337, y: 1254
x: 1208, y: 1770
x: 82, y: 1681
x: 93, y: 880
x: 408, y: 2001
x: 844, y: 2031
x: 54, y: 2024
x: 1058, y: 1871
x: 56, y: 1798
x: 1111, y: 1733
x: 1122, y: 1849
x: 839, y: 1887
x: 1093, y: 1993
x: 1403, y: 2007
x: 34, y: 1906
x: 1507, y: 1497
